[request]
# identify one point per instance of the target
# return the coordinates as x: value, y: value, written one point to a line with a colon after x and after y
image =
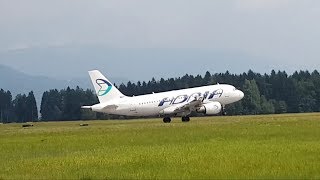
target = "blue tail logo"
x: 105, y: 87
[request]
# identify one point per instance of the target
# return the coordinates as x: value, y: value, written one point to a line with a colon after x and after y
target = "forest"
x: 273, y: 93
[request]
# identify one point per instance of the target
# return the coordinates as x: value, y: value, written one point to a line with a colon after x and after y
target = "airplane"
x: 209, y: 100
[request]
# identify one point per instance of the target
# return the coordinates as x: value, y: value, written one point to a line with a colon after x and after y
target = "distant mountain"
x: 135, y: 64
x: 17, y: 82
x: 20, y: 83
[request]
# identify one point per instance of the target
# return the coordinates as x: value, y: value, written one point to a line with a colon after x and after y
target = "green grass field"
x: 275, y: 146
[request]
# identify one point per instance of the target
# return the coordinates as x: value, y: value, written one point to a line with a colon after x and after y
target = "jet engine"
x: 211, y: 108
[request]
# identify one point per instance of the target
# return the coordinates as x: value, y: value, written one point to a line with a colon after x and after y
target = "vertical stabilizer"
x: 105, y: 90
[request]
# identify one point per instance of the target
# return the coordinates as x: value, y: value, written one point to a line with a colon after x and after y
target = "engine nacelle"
x: 211, y: 108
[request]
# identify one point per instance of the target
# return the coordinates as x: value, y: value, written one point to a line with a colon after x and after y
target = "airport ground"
x: 268, y: 147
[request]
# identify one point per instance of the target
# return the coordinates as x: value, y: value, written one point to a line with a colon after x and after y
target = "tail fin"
x: 104, y: 89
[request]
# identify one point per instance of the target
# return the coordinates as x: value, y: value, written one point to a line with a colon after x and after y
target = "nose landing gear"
x: 223, y: 111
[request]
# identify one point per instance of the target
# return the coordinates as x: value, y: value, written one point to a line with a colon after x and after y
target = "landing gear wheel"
x: 167, y: 120
x: 185, y: 119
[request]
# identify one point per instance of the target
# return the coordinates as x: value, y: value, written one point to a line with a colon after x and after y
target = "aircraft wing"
x: 185, y: 107
x: 190, y: 106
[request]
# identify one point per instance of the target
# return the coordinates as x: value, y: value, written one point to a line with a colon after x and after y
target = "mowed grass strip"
x: 273, y: 147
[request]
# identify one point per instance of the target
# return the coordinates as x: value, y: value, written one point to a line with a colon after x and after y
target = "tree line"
x: 276, y: 92
x: 21, y: 109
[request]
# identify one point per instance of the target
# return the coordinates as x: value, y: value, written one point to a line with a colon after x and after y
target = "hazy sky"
x: 138, y: 39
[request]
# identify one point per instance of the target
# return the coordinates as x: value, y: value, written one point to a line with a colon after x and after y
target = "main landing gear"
x: 167, y: 120
x: 184, y: 119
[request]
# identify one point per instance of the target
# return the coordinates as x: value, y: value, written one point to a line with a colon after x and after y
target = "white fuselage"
x: 153, y: 104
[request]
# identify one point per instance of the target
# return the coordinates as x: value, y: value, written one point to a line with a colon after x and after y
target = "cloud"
x: 276, y: 30
x: 260, y: 4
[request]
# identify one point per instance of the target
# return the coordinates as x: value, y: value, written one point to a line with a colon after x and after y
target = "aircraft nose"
x: 241, y: 94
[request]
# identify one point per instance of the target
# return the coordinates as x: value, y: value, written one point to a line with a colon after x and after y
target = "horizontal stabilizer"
x: 86, y: 107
